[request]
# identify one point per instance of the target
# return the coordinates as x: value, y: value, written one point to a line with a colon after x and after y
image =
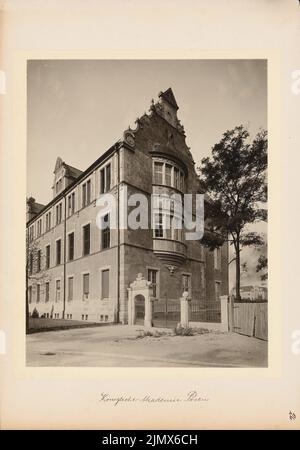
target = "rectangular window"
x: 187, y: 284
x: 105, y: 283
x: 105, y: 179
x: 158, y: 225
x: 39, y: 227
x: 57, y: 291
x: 47, y: 290
x: 70, y: 288
x: 71, y: 204
x: 58, y: 213
x: 30, y: 294
x: 47, y: 256
x: 38, y: 261
x: 38, y: 292
x: 86, y: 193
x: 158, y: 173
x: 86, y: 239
x: 86, y: 284
x: 217, y: 290
x: 48, y: 221
x: 108, y: 177
x: 152, y: 276
x: 105, y: 232
x: 168, y: 175
x: 71, y: 247
x: 58, y: 252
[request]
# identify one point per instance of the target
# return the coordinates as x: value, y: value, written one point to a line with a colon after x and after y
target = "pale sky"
x: 78, y: 109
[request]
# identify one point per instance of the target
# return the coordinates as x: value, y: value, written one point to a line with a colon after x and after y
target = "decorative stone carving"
x: 129, y: 138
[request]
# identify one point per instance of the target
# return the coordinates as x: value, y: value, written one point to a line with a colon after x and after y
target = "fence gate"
x: 166, y: 312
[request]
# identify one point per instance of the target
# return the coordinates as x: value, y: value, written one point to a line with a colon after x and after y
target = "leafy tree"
x: 262, y: 266
x: 34, y: 274
x: 234, y: 178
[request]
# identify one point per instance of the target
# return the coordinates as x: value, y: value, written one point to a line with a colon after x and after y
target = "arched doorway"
x: 139, y: 301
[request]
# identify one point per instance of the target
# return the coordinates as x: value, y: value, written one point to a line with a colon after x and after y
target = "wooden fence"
x: 250, y: 318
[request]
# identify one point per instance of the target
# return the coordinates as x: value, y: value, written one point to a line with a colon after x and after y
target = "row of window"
x: 166, y: 173
x: 105, y: 186
x: 70, y: 288
x: 35, y: 256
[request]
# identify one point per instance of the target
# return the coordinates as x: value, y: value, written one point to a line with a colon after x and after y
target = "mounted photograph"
x: 146, y: 213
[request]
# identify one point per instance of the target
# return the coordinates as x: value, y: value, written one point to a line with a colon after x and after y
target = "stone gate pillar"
x: 184, y: 309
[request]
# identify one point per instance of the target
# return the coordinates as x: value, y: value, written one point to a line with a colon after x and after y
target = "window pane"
x: 58, y: 252
x: 47, y: 256
x: 158, y: 225
x: 70, y: 289
x: 108, y: 177
x: 86, y: 283
x: 86, y: 239
x: 105, y: 283
x: 105, y: 232
x: 102, y: 181
x: 152, y: 276
x: 158, y: 173
x: 38, y: 291
x: 83, y: 195
x: 47, y: 293
x: 168, y: 174
x: 71, y: 247
x: 88, y: 192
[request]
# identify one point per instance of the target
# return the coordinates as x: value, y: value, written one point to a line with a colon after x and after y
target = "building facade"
x: 77, y: 271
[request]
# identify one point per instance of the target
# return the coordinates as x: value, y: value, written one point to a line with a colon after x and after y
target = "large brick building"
x: 78, y: 271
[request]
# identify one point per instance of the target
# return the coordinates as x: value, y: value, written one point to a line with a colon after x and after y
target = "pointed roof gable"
x: 169, y: 97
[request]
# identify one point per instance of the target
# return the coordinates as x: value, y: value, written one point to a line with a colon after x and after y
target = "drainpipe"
x: 64, y: 299
x: 118, y: 225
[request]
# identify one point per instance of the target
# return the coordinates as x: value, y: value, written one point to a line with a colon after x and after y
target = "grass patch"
x: 148, y: 333
x: 188, y: 331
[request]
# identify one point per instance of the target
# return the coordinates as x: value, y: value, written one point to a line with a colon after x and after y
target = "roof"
x: 82, y: 175
x: 37, y: 207
x: 72, y: 172
x: 169, y: 97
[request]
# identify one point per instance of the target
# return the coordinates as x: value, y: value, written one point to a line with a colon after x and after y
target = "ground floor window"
x: 105, y: 284
x: 86, y: 284
x: 47, y: 290
x: 57, y: 291
x: 70, y: 288
x: 153, y: 277
x: 38, y: 292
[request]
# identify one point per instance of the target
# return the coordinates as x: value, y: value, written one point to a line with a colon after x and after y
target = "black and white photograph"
x: 146, y: 213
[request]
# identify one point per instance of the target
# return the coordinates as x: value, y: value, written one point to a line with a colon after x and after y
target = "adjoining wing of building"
x: 83, y: 272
